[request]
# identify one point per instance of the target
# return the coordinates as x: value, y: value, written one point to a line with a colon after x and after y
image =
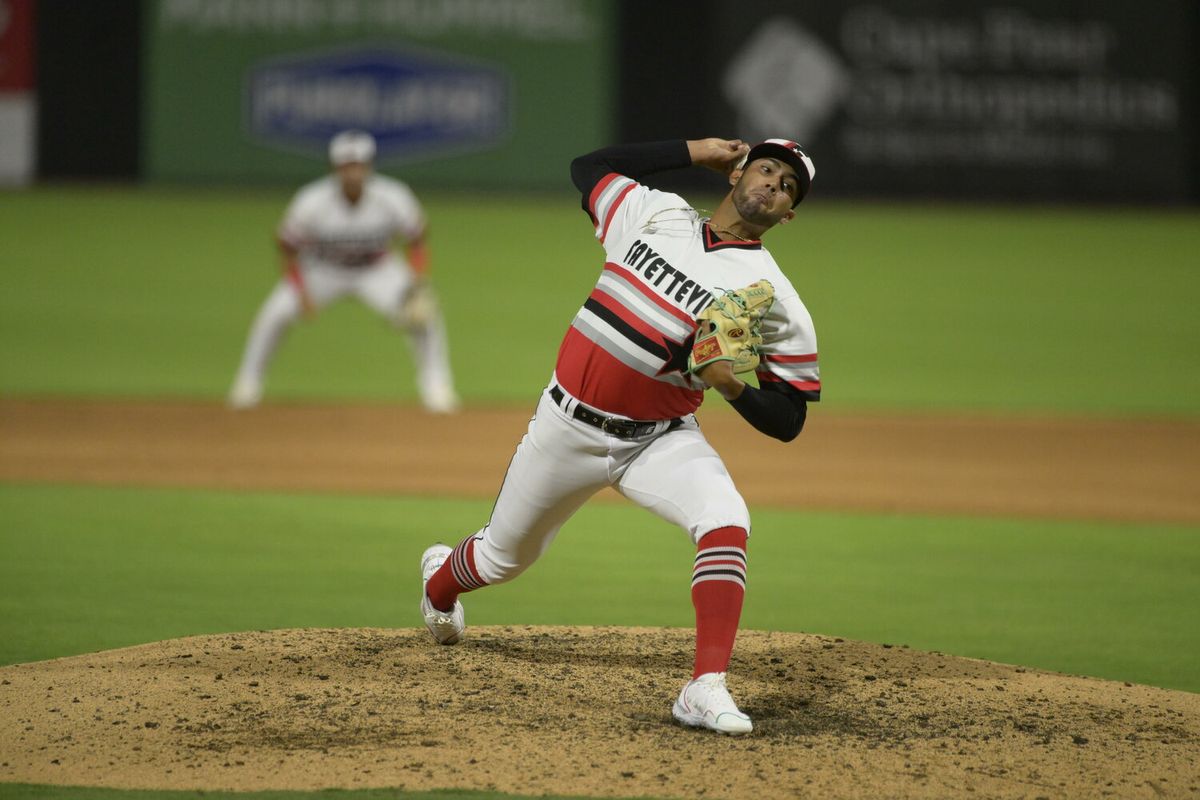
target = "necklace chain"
x: 731, y: 233
x: 704, y: 215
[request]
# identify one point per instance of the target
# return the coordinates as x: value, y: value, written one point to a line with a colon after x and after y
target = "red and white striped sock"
x: 456, y: 576
x: 718, y: 588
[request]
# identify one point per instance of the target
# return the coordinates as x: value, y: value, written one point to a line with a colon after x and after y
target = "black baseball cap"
x: 789, y: 152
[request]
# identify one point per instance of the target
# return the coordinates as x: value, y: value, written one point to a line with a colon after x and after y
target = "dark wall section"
x: 1193, y: 108
x: 880, y: 93
x: 89, y: 87
x: 665, y: 81
x: 662, y: 60
x: 1041, y: 100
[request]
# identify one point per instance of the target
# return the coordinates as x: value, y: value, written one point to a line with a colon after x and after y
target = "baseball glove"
x: 418, y: 306
x: 730, y: 328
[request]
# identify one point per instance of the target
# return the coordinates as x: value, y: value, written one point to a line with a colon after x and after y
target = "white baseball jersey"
x: 345, y: 249
x: 330, y: 231
x: 626, y: 350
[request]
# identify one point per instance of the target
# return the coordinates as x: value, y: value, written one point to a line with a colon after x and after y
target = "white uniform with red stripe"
x: 331, y: 230
x: 625, y: 356
x: 663, y: 266
x: 345, y: 249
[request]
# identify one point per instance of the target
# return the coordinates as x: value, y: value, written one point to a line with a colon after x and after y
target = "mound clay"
x: 586, y: 711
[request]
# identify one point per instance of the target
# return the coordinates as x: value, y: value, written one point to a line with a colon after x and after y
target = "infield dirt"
x: 1133, y: 470
x: 586, y: 711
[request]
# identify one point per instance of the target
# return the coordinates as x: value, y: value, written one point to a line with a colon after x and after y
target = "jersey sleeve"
x: 409, y: 216
x: 296, y: 227
x: 619, y: 204
x: 789, y: 350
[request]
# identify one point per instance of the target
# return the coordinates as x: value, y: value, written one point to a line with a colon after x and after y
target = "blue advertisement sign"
x: 416, y: 102
x: 459, y: 95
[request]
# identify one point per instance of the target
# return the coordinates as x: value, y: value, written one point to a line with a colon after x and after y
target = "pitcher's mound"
x: 583, y: 712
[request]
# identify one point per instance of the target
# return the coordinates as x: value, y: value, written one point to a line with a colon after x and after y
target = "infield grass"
x: 94, y: 568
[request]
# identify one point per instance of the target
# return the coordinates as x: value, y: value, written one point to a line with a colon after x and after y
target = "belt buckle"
x: 618, y: 427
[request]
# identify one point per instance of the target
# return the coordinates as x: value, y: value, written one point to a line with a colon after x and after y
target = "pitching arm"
x: 631, y: 160
x: 638, y: 160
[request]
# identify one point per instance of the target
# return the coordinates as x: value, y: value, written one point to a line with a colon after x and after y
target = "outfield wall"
x: 1062, y: 100
x: 1009, y: 99
x: 470, y: 93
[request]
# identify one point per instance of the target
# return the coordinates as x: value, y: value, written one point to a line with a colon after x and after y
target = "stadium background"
x: 994, y: 231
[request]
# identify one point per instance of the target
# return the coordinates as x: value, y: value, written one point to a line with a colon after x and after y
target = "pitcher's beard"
x: 752, y: 209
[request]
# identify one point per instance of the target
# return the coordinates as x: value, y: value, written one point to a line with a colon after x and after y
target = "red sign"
x: 16, y: 46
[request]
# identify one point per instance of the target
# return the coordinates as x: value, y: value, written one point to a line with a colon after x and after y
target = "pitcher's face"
x: 764, y: 191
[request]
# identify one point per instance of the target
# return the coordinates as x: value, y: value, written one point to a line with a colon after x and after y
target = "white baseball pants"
x: 380, y: 287
x: 561, y: 462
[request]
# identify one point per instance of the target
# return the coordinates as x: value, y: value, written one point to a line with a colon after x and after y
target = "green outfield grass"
x: 151, y: 292
x: 91, y: 569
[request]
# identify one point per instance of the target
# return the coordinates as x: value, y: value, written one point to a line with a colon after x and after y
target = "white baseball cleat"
x: 441, y: 400
x: 245, y: 394
x: 705, y: 703
x: 446, y: 626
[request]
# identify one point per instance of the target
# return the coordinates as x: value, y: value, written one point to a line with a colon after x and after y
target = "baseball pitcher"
x: 336, y: 240
x: 686, y: 302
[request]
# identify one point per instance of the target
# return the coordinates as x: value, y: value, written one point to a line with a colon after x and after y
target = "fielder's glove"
x: 418, y: 306
x: 730, y: 328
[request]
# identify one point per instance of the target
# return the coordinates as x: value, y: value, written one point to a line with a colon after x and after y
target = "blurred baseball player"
x: 662, y: 325
x: 336, y: 238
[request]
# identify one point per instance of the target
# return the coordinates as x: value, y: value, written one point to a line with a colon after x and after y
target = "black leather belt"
x: 621, y: 428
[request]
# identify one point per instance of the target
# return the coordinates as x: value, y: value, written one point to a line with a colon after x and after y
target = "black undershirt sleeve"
x: 777, y: 412
x: 630, y: 160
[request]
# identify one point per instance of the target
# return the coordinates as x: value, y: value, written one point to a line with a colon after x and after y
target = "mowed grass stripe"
x: 89, y: 569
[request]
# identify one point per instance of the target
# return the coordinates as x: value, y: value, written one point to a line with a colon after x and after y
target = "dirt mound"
x: 584, y: 711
